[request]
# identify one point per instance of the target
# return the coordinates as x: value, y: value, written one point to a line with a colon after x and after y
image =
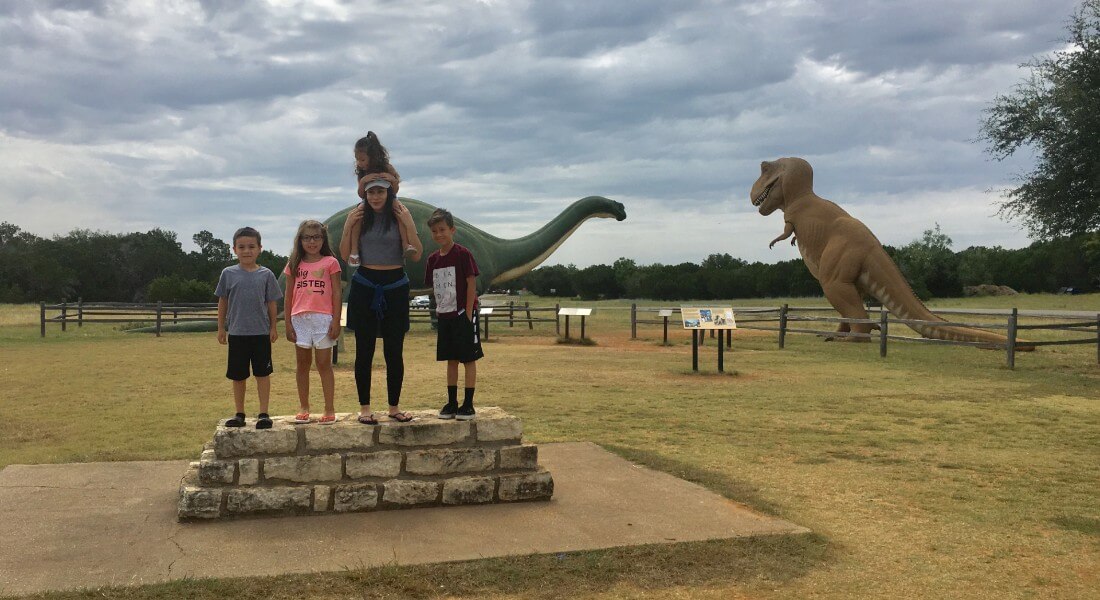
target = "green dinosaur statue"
x: 844, y: 256
x: 498, y: 260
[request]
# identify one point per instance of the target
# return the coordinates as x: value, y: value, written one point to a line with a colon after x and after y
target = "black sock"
x: 452, y: 394
x: 468, y: 399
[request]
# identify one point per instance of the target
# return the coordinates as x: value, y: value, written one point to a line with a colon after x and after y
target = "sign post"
x: 709, y: 318
x: 575, y: 312
x: 485, y: 312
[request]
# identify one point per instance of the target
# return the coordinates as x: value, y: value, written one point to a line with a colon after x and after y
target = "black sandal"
x: 236, y: 421
x: 263, y: 421
x: 401, y: 417
x: 368, y: 419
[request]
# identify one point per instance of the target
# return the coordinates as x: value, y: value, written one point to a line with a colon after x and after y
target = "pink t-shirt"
x: 312, y: 289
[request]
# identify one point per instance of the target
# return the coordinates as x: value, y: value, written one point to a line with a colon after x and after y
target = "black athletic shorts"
x: 245, y: 350
x: 459, y: 339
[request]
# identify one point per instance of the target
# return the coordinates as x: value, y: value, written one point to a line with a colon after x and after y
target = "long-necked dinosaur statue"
x: 844, y: 256
x: 499, y: 260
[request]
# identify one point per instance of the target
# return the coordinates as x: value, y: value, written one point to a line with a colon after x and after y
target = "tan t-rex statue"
x: 843, y: 254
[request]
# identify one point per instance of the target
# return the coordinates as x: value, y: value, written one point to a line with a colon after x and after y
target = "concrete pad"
x: 88, y: 525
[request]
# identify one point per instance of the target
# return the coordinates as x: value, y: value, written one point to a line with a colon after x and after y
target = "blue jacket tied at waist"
x: 378, y: 302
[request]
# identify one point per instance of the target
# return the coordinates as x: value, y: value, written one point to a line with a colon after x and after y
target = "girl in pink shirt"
x: 312, y: 307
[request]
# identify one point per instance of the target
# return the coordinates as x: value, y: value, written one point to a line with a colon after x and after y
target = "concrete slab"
x: 88, y: 525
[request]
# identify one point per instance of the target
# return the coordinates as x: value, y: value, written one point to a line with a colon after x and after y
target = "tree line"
x: 151, y: 266
x: 113, y: 267
x: 929, y: 263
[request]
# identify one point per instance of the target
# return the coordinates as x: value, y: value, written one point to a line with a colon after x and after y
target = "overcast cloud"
x: 193, y: 115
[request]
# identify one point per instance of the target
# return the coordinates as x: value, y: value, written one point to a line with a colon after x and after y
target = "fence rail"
x: 81, y: 312
x: 1011, y: 326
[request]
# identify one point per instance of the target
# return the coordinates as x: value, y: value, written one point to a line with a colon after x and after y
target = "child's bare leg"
x: 328, y: 380
x: 263, y: 386
x: 452, y: 372
x: 304, y: 357
x: 471, y: 373
x: 238, y: 394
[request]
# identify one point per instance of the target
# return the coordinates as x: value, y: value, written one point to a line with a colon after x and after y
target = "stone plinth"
x: 346, y: 466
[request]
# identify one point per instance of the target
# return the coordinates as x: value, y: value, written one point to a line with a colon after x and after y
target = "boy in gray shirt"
x: 247, y: 293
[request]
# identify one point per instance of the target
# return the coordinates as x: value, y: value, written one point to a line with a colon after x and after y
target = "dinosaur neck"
x: 527, y: 252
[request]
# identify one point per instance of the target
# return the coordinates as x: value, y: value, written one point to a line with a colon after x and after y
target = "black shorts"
x: 245, y: 350
x: 458, y: 338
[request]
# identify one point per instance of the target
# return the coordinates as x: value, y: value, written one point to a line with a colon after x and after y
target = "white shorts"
x: 312, y: 330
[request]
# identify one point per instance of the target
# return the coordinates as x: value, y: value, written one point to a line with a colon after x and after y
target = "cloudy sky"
x: 187, y: 115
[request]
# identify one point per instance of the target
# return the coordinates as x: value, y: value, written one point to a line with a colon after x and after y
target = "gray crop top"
x: 380, y: 247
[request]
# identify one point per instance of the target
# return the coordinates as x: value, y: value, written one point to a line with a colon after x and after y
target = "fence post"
x: 782, y: 326
x: 634, y: 321
x: 883, y: 328
x: 527, y: 306
x: 160, y: 309
x: 664, y: 340
x: 1010, y: 347
x: 511, y: 306
x: 1097, y: 338
x: 42, y: 317
x: 80, y: 312
x: 557, y: 318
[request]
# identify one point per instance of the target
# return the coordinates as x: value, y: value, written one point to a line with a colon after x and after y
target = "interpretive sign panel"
x: 708, y: 317
x: 574, y: 312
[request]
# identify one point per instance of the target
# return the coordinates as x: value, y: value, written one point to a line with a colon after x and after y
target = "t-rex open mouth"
x: 757, y: 201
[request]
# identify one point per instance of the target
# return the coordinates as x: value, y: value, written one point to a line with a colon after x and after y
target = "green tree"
x: 930, y: 265
x: 1056, y: 112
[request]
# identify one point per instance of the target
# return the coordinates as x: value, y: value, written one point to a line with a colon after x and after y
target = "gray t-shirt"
x: 378, y: 246
x: 248, y: 293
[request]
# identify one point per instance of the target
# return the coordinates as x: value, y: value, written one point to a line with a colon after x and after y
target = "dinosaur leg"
x: 839, y: 271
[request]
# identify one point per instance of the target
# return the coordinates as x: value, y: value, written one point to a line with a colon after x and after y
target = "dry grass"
x: 934, y: 473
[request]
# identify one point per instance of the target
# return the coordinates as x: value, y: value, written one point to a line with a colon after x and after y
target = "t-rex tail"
x: 882, y: 279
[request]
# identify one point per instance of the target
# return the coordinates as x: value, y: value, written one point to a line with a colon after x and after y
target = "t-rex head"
x: 781, y: 180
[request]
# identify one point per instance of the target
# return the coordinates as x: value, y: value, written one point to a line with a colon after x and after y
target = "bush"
x: 173, y: 288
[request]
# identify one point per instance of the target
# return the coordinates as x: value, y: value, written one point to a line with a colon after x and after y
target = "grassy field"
x: 933, y: 473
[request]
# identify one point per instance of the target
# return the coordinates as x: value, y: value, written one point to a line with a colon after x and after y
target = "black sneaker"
x: 236, y: 421
x: 263, y: 421
x: 465, y: 413
x: 448, y: 411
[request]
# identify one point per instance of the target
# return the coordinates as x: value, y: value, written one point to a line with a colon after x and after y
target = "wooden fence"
x: 783, y: 316
x: 159, y: 313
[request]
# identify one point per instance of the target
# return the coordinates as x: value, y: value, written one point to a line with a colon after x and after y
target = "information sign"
x: 574, y: 312
x: 708, y: 317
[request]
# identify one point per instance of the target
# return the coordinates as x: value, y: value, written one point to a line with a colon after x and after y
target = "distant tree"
x: 173, y: 288
x: 930, y: 265
x: 1056, y: 112
x: 597, y: 282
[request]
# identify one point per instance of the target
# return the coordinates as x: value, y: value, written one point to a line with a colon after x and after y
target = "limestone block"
x: 341, y: 435
x: 408, y: 492
x: 248, y: 471
x: 374, y: 464
x: 468, y: 490
x: 304, y: 469
x: 424, y: 433
x: 232, y: 442
x: 208, y: 455
x: 260, y: 499
x: 217, y: 471
x: 498, y: 429
x: 449, y: 460
x: 321, y: 494
x: 199, y: 503
x: 519, y: 457
x: 352, y: 497
x: 526, y: 486
x: 190, y: 476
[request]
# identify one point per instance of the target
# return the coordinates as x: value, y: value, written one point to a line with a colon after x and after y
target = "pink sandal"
x: 300, y: 418
x: 327, y: 419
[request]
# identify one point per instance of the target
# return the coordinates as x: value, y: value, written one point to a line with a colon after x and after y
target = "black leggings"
x: 393, y: 345
x: 368, y: 328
